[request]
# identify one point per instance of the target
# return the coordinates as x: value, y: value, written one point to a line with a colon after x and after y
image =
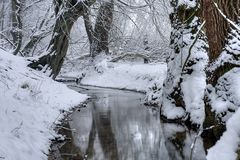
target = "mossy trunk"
x: 187, y: 41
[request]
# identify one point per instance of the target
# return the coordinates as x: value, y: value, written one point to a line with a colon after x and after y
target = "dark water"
x: 116, y: 126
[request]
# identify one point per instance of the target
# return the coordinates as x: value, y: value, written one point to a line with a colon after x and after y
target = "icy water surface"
x: 116, y: 126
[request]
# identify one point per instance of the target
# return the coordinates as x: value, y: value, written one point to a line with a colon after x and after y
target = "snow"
x: 131, y: 76
x: 187, y: 3
x: 224, y: 99
x: 225, y: 96
x: 186, y: 70
x: 194, y: 85
x: 127, y: 76
x: 228, y: 144
x: 31, y: 105
x: 171, y: 111
x: 193, y: 88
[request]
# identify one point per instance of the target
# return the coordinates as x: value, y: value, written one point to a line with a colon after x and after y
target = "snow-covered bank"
x: 132, y: 76
x: 30, y: 105
x: 137, y: 77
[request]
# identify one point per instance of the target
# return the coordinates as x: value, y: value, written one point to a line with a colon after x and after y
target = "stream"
x: 115, y: 125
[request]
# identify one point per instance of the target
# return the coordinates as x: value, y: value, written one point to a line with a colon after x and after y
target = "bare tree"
x: 67, y: 12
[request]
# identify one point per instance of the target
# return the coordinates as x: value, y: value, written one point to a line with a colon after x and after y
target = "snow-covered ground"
x: 121, y: 75
x: 30, y: 105
x: 137, y: 77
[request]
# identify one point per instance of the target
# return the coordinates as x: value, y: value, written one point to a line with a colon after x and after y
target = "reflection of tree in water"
x: 91, y: 139
x: 101, y: 127
x: 105, y: 133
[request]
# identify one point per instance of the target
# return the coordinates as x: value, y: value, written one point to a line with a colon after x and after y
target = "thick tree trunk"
x: 186, y: 39
x: 99, y: 36
x: 58, y: 46
x: 217, y: 27
x: 88, y: 26
x: 217, y: 30
x: 190, y: 50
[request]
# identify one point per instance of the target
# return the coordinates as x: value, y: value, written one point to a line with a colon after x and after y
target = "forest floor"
x: 31, y: 106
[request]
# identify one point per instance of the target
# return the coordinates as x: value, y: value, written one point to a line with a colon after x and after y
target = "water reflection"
x: 115, y: 126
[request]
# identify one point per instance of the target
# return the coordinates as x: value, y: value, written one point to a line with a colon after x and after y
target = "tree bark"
x: 58, y: 46
x: 217, y: 27
x: 99, y: 36
x: 217, y: 30
x: 16, y: 31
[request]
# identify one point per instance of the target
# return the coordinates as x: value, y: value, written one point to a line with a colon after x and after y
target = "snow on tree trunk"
x: 196, y: 89
x: 183, y: 89
x: 206, y: 50
x: 222, y: 99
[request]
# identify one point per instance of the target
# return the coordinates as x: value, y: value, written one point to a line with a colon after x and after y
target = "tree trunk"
x: 205, y: 30
x: 58, y: 46
x: 217, y: 27
x: 16, y: 30
x: 99, y: 36
x: 190, y: 50
x: 218, y: 31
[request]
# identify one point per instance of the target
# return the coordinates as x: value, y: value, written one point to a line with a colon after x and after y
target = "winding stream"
x: 116, y: 126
